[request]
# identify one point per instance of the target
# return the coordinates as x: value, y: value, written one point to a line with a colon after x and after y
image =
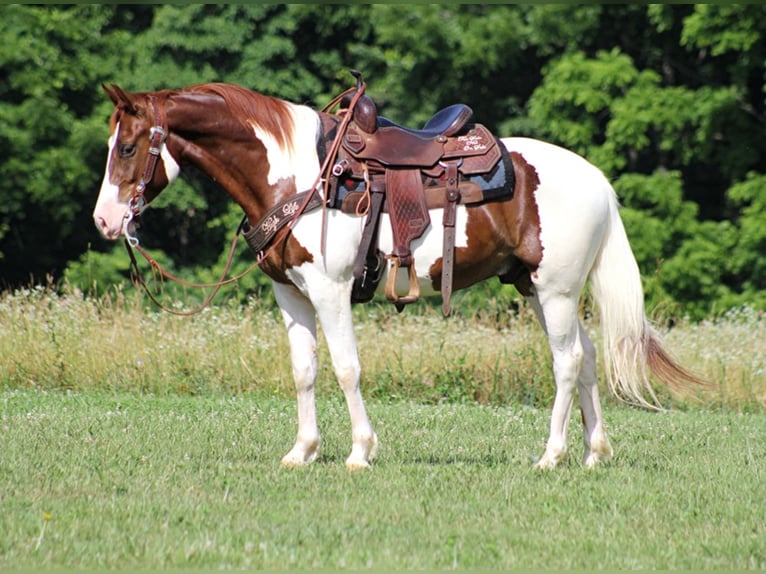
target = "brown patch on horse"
x: 273, y: 114
x: 525, y: 218
x: 287, y: 253
x: 503, y: 237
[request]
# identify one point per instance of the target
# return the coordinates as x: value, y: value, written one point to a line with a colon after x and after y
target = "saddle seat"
x: 445, y: 122
x: 377, y: 138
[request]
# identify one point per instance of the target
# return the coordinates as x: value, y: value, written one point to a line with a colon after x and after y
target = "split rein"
x: 157, y: 136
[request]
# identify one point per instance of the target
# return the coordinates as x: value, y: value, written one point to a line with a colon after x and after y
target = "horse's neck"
x: 244, y: 160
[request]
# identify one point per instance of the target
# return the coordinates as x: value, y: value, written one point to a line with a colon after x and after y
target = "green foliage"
x: 572, y: 103
x: 746, y: 260
x: 667, y: 99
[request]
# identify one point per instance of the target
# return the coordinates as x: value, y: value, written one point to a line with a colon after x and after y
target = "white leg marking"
x: 559, y: 317
x: 300, y: 321
x: 332, y: 302
x: 597, y: 446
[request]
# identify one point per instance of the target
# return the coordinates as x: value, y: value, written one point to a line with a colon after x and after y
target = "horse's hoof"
x: 545, y: 464
x: 598, y: 451
x: 595, y: 458
x: 374, y: 447
x: 292, y: 463
x: 299, y: 457
x: 550, y: 460
x: 355, y: 465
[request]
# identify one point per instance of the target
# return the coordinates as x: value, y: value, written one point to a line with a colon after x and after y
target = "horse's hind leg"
x: 597, y: 447
x: 558, y: 315
x: 574, y: 365
x: 300, y: 321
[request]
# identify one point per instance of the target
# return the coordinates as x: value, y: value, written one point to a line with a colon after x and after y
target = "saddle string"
x: 366, y: 200
x: 358, y: 91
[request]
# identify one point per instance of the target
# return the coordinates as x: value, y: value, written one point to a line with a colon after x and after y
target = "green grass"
x: 99, y: 480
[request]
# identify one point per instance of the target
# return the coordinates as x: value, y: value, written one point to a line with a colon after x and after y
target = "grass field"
x: 125, y: 480
x: 132, y: 439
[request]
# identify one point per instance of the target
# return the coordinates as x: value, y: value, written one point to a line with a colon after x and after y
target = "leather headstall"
x: 158, y: 133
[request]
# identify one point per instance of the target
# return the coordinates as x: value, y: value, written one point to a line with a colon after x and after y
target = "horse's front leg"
x: 300, y: 320
x: 332, y: 301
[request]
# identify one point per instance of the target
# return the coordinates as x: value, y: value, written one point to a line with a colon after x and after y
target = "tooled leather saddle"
x: 382, y: 166
x: 375, y: 166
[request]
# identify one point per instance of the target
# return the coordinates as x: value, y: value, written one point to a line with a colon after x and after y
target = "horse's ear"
x: 120, y: 97
x: 111, y: 93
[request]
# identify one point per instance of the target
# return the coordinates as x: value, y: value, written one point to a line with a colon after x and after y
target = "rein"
x: 157, y: 270
x: 157, y: 136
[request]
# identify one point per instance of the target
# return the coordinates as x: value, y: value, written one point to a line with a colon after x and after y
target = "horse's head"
x: 138, y: 164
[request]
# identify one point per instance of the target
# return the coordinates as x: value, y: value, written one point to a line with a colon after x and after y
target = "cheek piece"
x: 137, y: 203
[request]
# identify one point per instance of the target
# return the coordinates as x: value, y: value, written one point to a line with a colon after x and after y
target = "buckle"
x: 158, y: 130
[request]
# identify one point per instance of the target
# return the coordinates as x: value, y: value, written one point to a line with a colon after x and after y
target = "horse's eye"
x: 126, y: 150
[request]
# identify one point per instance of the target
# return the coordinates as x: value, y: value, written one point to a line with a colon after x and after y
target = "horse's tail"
x: 630, y: 343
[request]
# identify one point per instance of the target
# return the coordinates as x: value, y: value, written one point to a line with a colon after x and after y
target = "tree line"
x: 668, y: 100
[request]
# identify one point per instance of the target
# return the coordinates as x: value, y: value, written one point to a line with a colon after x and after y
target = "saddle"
x: 372, y: 165
x: 383, y: 166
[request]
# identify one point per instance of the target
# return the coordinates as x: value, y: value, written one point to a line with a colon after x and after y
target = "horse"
x: 560, y: 227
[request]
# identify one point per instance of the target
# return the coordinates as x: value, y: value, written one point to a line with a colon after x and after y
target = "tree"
x: 50, y: 137
x: 667, y: 99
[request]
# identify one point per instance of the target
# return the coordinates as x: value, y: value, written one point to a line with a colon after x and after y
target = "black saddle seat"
x: 445, y: 122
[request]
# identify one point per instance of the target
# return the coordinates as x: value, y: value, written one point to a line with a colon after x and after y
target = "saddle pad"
x: 495, y: 184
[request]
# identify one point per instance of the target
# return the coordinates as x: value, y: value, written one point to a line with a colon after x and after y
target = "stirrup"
x: 414, y: 289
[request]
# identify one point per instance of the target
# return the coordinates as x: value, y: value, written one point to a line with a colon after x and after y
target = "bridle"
x: 158, y: 135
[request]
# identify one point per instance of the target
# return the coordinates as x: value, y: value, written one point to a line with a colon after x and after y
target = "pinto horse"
x: 560, y: 226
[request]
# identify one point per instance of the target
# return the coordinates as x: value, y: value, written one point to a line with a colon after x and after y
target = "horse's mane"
x: 255, y: 110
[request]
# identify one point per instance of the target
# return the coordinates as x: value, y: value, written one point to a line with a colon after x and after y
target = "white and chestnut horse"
x: 560, y: 227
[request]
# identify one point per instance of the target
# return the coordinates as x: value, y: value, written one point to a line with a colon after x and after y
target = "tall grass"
x: 53, y: 340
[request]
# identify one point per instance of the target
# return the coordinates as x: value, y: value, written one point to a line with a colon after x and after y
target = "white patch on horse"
x: 299, y: 160
x: 427, y: 249
x: 172, y: 169
x: 109, y: 211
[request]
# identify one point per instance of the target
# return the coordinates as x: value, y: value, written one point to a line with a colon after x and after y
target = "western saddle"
x: 382, y: 166
x: 372, y: 165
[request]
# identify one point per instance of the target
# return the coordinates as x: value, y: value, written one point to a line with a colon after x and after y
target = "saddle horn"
x: 365, y: 112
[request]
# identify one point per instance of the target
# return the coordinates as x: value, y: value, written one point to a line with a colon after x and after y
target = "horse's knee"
x: 348, y: 375
x: 304, y: 374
